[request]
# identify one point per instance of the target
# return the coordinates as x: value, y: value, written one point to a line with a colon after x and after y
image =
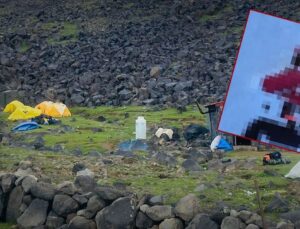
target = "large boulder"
x: 43, y: 190
x: 67, y: 188
x: 172, y: 223
x: 85, y: 183
x: 160, y: 212
x: 109, y: 193
x: 54, y: 222
x: 79, y: 222
x: 191, y: 165
x: 292, y: 216
x: 64, y: 205
x: 119, y: 215
x: 94, y: 205
x: 202, y: 221
x: 7, y: 182
x: 230, y: 222
x: 187, y: 207
x: 28, y: 182
x: 14, y: 204
x: 35, y: 215
x: 165, y: 159
x: 143, y: 221
x: 278, y: 204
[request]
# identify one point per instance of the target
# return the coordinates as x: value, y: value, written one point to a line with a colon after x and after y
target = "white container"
x: 140, y: 128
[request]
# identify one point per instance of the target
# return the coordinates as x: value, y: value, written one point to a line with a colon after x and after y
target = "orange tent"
x: 56, y: 110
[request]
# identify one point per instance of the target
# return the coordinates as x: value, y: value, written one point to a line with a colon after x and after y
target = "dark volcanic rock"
x: 119, y: 215
x: 202, y: 221
x: 79, y: 222
x: 64, y: 205
x: 109, y: 193
x: 43, y: 190
x: 14, y: 204
x: 35, y: 215
x: 85, y: 183
x: 7, y: 182
x: 143, y: 221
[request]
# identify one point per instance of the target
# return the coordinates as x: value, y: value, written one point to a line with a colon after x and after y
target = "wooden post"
x: 260, y: 206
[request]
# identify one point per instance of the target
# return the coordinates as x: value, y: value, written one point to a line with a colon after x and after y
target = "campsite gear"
x: 161, y: 131
x: 23, y: 113
x: 140, y: 128
x: 56, y: 110
x: 220, y: 143
x: 294, y: 172
x: 193, y: 131
x: 133, y: 145
x: 12, y: 106
x: 213, y: 111
x: 24, y: 126
x: 274, y: 158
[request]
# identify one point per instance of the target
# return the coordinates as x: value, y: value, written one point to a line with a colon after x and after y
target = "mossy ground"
x: 235, y: 187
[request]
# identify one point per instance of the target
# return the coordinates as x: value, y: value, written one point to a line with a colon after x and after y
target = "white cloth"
x: 161, y: 131
x: 214, y: 144
x: 294, y: 172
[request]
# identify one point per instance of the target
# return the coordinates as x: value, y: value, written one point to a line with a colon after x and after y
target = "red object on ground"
x: 285, y: 84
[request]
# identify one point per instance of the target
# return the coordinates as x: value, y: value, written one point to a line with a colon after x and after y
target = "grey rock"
x: 285, y: 225
x: 64, y: 205
x: 85, y: 183
x: 143, y: 221
x: 94, y: 205
x: 191, y: 165
x: 278, y: 204
x: 231, y: 222
x: 119, y: 215
x: 255, y: 219
x: 292, y: 216
x: 54, y: 222
x: 157, y: 200
x: 81, y: 199
x: 28, y: 182
x: 244, y: 215
x: 35, y: 215
x: 79, y: 222
x: 77, y: 99
x: 7, y: 182
x: 160, y: 212
x: 14, y: 204
x: 165, y: 159
x: 252, y: 226
x: 202, y: 221
x: 43, y: 190
x: 108, y: 193
x: 39, y: 142
x: 187, y: 207
x: 155, y: 71
x: 27, y: 199
x: 66, y: 187
x: 172, y: 223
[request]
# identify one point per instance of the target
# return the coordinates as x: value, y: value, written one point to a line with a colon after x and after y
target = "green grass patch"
x: 24, y: 46
x: 67, y: 32
x: 6, y: 226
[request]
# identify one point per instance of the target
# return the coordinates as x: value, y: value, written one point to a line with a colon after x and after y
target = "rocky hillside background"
x: 117, y: 52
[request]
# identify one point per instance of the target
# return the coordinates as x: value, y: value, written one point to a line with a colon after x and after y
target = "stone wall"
x: 33, y: 203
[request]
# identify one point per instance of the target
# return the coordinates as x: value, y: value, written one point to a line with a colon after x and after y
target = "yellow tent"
x: 12, y: 106
x: 56, y: 110
x: 23, y: 113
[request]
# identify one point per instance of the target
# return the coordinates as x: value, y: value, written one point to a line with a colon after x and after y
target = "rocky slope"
x: 123, y: 52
